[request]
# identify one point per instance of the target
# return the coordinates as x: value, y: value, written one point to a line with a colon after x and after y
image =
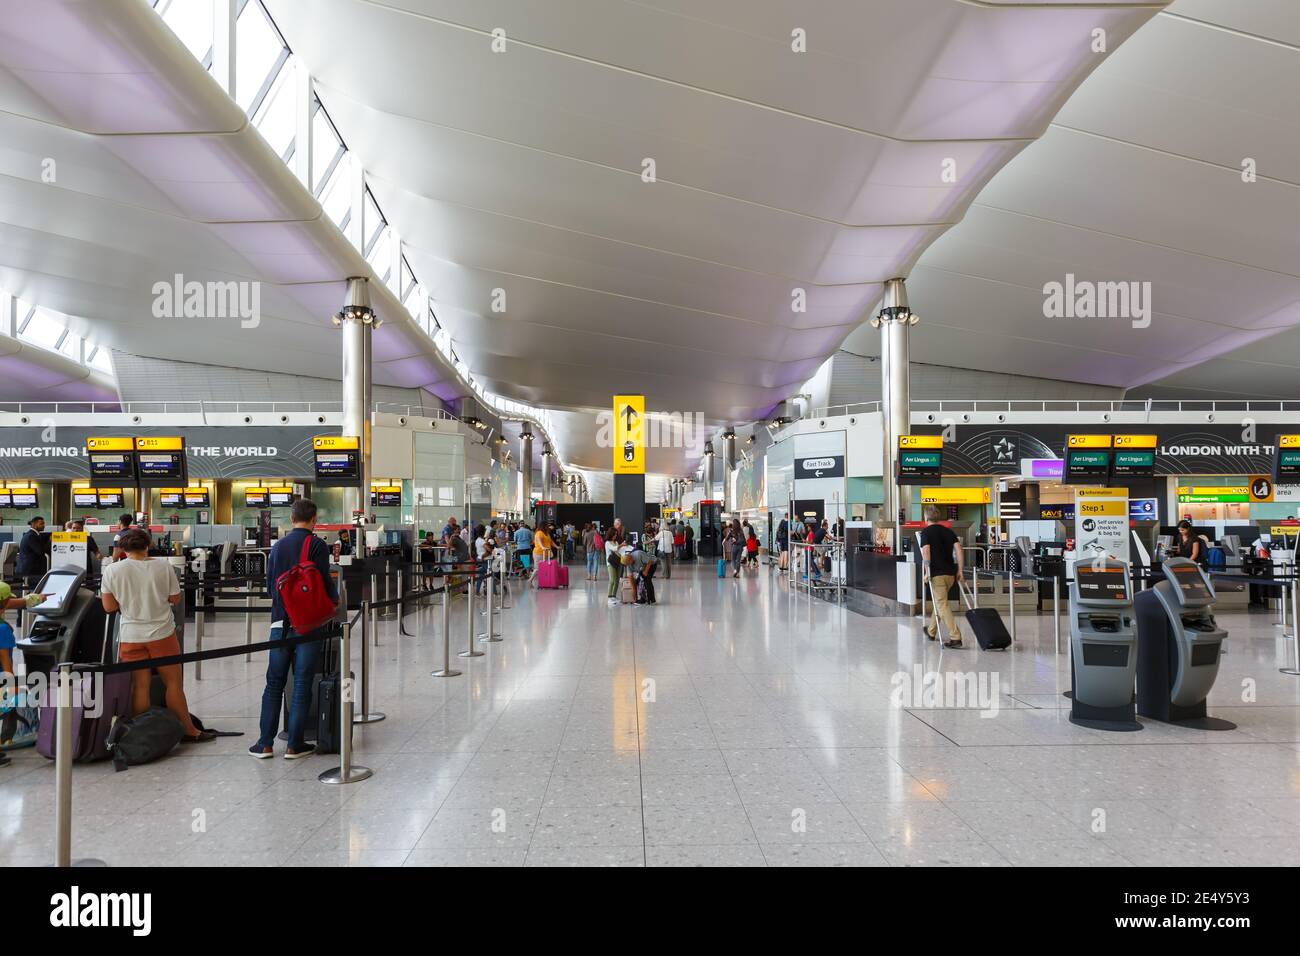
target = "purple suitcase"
x: 89, y: 734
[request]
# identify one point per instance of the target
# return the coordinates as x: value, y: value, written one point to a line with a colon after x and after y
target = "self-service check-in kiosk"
x: 67, y: 626
x: 1103, y: 646
x: 1179, y: 644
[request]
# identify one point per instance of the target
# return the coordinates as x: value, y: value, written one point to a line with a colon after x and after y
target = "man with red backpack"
x: 297, y: 574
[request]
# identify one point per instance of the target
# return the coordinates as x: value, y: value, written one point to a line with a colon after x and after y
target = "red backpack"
x: 302, y: 592
x: 597, y: 542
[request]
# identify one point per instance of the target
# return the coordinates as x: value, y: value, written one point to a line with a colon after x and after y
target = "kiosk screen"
x: 1107, y: 584
x: 57, y: 588
x: 1190, y: 582
x: 85, y: 499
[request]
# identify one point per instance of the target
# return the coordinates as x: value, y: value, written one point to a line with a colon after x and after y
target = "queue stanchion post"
x: 1056, y: 611
x: 1294, y: 669
x: 1011, y: 601
x: 469, y: 650
x: 490, y: 636
x: 447, y: 670
x: 63, y: 773
x: 346, y: 771
x: 374, y: 620
x: 248, y: 626
x: 199, y: 621
x: 366, y: 716
x: 975, y: 584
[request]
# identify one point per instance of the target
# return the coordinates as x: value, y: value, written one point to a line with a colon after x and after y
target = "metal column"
x: 894, y: 321
x: 357, y: 321
x: 526, y: 472
x: 546, y: 472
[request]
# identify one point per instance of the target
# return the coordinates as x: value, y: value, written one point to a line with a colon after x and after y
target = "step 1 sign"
x: 826, y: 466
x: 1101, y: 524
x: 68, y: 549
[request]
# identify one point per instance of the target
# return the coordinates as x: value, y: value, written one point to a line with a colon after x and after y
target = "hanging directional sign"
x: 1087, y: 459
x: 825, y: 466
x: 920, y: 459
x: 1286, y: 460
x: 629, y: 434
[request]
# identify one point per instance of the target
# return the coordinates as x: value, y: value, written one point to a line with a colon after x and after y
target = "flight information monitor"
x: 1189, y: 582
x: 1101, y: 585
x: 255, y: 498
x: 1087, y: 466
x: 386, y: 497
x: 110, y: 499
x: 23, y: 498
x: 85, y: 499
x: 338, y: 460
x: 280, y: 497
x: 171, y: 498
x: 6, y: 501
x: 112, y: 465
x: 196, y: 498
x: 1133, y: 464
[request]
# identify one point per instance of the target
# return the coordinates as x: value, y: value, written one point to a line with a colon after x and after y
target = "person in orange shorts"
x: 143, y: 589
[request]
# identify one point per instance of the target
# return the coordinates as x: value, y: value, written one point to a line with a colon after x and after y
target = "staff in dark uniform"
x: 1188, y: 544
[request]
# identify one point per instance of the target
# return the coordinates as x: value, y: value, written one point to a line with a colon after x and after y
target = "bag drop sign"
x: 827, y: 466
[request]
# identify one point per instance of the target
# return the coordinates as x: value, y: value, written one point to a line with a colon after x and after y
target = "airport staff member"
x: 1188, y: 544
x: 942, y: 552
x: 345, y: 541
x: 33, y: 553
x: 123, y: 525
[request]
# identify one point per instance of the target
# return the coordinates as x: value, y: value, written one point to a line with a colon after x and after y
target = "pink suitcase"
x: 552, y: 574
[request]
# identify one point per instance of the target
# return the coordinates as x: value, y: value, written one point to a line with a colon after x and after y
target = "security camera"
x: 284, y: 419
x: 401, y: 420
x: 320, y: 419
x: 822, y: 423
x: 930, y: 417
x: 853, y: 421
x: 433, y: 423
x: 1210, y: 417
x: 965, y: 417
x: 248, y: 419
x: 1105, y: 417
x: 24, y: 420
x: 135, y: 419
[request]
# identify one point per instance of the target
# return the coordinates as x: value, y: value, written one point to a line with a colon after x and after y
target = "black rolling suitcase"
x: 329, y: 706
x: 327, y: 665
x: 986, y: 624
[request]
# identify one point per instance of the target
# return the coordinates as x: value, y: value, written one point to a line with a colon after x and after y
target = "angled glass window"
x: 191, y: 21
x: 381, y: 256
x: 259, y: 54
x: 274, y: 119
x: 336, y: 198
x: 326, y: 145
x: 70, y: 347
x: 42, y: 329
x: 374, y: 223
x: 101, y: 359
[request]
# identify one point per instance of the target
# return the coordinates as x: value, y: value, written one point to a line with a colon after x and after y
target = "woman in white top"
x: 142, y: 590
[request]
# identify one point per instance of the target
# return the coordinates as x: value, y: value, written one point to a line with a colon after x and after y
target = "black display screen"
x: 171, y: 499
x: 1190, y: 582
x: 255, y: 499
x: 85, y: 499
x: 337, y: 468
x: 281, y: 499
x: 1087, y: 466
x: 196, y: 499
x: 160, y: 467
x: 1100, y: 585
x: 110, y: 499
x: 6, y: 501
x: 1286, y: 467
x: 386, y: 499
x: 1134, y: 464
x: 23, y: 499
x: 112, y: 465
x: 916, y: 466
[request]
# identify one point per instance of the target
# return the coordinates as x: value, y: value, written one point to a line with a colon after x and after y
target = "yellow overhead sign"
x: 920, y: 441
x: 68, y: 537
x: 1101, y: 492
x: 956, y: 496
x: 1288, y: 441
x: 1109, y: 507
x: 159, y: 443
x: 336, y: 443
x: 101, y: 443
x: 1136, y: 441
x: 1087, y: 441
x: 1281, y: 529
x: 629, y: 434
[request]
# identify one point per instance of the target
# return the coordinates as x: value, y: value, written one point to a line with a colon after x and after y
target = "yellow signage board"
x: 102, y: 443
x: 336, y: 443
x: 629, y: 434
x: 279, y: 490
x: 1281, y: 529
x: 160, y: 443
x: 920, y: 441
x: 1288, y: 441
x: 1101, y: 492
x: 68, y: 537
x: 1107, y: 507
x: 1136, y: 441
x: 1087, y: 441
x: 956, y: 496
x: 1261, y: 488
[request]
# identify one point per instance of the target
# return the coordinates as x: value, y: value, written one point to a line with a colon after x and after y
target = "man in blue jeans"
x: 304, y: 657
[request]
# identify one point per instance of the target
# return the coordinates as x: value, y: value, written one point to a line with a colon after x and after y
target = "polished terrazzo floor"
x: 734, y: 723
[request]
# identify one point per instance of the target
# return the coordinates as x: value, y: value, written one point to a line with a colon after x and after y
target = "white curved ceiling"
x: 1139, y: 178
x: 522, y: 170
x: 158, y: 172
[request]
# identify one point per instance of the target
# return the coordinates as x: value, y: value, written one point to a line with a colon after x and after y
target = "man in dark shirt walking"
x: 303, y: 658
x: 942, y: 553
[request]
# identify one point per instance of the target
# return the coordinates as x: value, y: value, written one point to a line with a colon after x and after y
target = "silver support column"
x: 708, y: 470
x: 728, y: 463
x: 894, y: 320
x: 546, y: 472
x: 357, y: 320
x: 526, y: 472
